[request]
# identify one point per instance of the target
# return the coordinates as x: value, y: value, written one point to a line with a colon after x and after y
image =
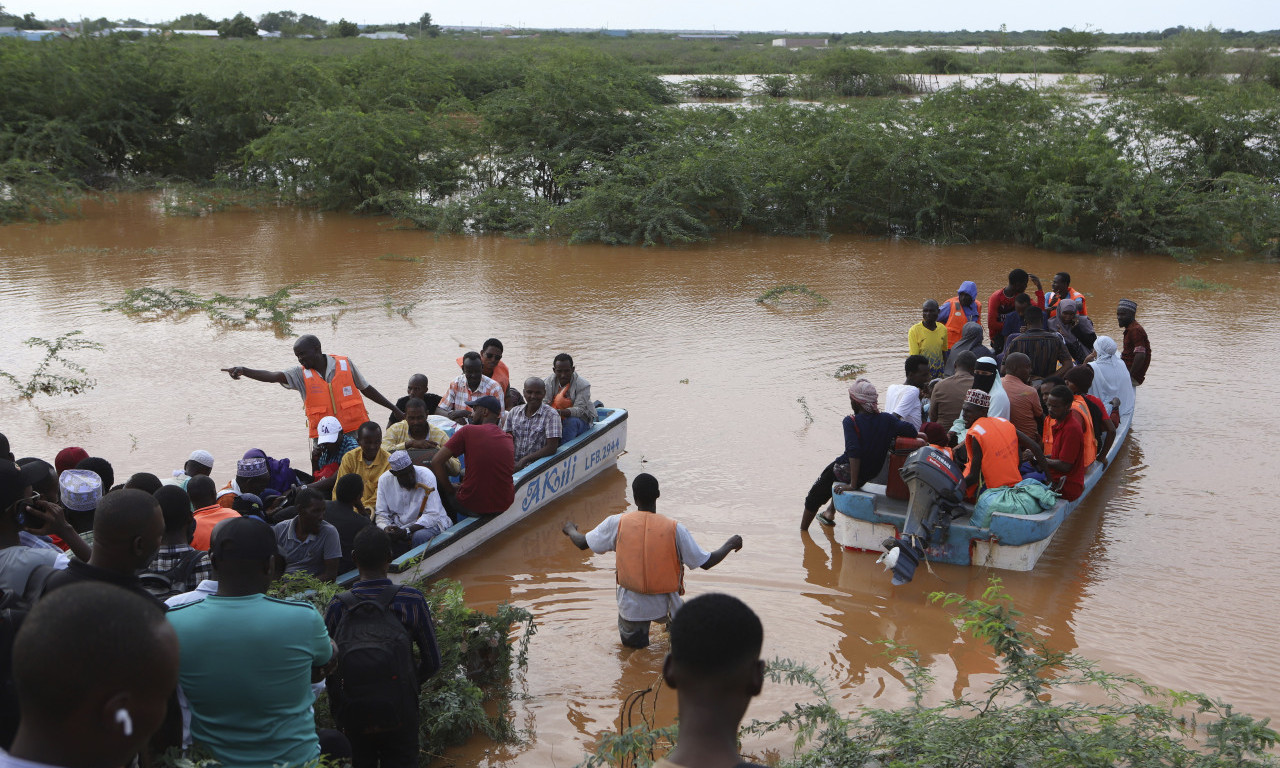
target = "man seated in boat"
x: 1067, y: 449
x: 1047, y: 350
x: 534, y: 426
x: 1102, y: 430
x: 1075, y: 329
x: 1062, y: 294
x: 471, y: 384
x: 1003, y: 306
x: 1026, y: 412
x: 416, y: 433
x: 572, y: 398
x: 948, y: 395
x: 418, y: 388
x: 409, y: 506
x: 487, y: 487
x: 991, y: 450
x: 904, y: 400
x: 868, y: 436
x: 962, y: 308
x: 653, y: 551
x: 368, y: 461
x: 491, y: 355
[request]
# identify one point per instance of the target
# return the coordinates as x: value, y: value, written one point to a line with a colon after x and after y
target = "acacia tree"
x: 238, y: 26
x: 1073, y: 46
x: 346, y: 28
x: 425, y: 27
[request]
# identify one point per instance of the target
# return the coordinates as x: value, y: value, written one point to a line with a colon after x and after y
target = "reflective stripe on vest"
x: 337, y: 398
x: 1051, y: 302
x: 957, y: 319
x: 648, y: 561
x: 998, y: 440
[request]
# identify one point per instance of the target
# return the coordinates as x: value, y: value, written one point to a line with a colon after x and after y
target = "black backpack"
x: 13, y: 609
x: 375, y: 686
x: 173, y: 581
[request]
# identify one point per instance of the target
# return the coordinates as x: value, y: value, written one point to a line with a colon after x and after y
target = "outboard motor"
x: 937, y: 488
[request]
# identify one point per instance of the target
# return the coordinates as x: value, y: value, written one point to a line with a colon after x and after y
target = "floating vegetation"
x: 51, y: 382
x: 277, y: 311
x: 402, y: 310
x: 779, y: 292
x: 804, y: 408
x: 398, y: 257
x: 1187, y: 282
x: 850, y: 371
x: 713, y: 88
x: 684, y: 381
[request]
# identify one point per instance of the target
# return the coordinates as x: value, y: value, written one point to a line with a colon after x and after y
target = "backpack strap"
x: 348, y: 599
x: 388, y: 596
x: 181, y: 571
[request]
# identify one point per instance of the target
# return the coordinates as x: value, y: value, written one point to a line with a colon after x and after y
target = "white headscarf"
x: 999, y: 399
x: 1111, y: 377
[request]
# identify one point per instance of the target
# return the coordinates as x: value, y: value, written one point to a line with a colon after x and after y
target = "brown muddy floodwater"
x: 1169, y: 571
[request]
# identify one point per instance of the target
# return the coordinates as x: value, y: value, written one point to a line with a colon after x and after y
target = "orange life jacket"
x: 561, y: 400
x: 957, y: 319
x: 1090, y: 452
x: 648, y: 561
x: 1051, y: 302
x: 337, y: 398
x: 1000, y: 455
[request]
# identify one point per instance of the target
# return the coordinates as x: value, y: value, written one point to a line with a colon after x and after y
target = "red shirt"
x: 1000, y: 305
x: 1135, y: 338
x: 1068, y: 445
x: 487, y: 487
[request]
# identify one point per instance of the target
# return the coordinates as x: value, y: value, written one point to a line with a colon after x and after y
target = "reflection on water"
x: 1166, y: 571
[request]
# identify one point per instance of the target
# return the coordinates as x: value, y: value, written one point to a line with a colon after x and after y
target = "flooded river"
x: 1168, y: 571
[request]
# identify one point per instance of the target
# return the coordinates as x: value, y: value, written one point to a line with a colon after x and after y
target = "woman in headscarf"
x: 986, y: 376
x: 868, y: 434
x: 971, y: 341
x: 1111, y: 378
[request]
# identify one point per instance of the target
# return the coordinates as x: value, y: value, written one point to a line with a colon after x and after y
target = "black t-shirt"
x: 349, y: 523
x: 77, y: 572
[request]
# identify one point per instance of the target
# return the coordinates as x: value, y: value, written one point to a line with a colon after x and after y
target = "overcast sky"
x: 793, y: 15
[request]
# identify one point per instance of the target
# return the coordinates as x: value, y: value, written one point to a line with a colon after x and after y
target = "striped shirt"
x: 459, y: 394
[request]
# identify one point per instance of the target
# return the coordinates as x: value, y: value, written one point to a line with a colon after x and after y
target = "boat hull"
x: 536, y: 486
x: 1012, y: 542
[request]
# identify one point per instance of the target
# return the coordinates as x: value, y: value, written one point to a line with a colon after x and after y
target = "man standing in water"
x: 653, y: 551
x: 330, y: 385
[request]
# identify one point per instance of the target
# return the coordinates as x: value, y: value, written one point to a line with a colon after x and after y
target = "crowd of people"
x: 1041, y: 400
x: 188, y: 562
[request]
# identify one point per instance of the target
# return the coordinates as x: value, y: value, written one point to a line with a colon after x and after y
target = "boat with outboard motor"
x: 537, y: 485
x: 935, y: 524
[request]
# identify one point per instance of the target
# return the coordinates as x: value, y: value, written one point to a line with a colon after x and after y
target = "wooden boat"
x: 537, y: 485
x: 1012, y: 542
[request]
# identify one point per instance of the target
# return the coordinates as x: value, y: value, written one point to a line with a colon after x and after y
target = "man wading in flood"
x: 653, y: 551
x: 330, y: 385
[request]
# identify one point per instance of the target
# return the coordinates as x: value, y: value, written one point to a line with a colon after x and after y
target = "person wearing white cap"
x: 198, y: 463
x: 331, y: 445
x: 409, y: 508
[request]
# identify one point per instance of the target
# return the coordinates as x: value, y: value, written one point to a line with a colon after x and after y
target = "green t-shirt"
x: 246, y: 673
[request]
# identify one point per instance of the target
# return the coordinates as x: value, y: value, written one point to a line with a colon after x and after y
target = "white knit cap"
x: 81, y: 489
x: 203, y: 458
x: 400, y: 460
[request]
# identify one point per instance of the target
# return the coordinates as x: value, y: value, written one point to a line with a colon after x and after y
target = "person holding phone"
x: 21, y: 509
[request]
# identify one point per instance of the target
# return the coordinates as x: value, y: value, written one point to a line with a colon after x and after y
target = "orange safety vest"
x: 957, y: 318
x: 561, y: 400
x: 1051, y: 304
x: 998, y: 439
x: 648, y: 561
x: 337, y: 398
x: 1090, y: 452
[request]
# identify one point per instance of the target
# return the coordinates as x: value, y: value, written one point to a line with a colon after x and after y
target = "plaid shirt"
x: 531, y: 432
x: 167, y: 558
x: 460, y: 394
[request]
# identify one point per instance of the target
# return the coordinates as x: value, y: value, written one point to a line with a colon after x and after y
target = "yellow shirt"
x: 397, y: 434
x: 354, y: 461
x: 931, y: 344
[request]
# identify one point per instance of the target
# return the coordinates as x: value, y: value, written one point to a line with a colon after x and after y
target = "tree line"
x: 567, y: 141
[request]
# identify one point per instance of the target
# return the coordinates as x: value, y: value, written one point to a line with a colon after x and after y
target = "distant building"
x: 614, y: 32
x: 34, y: 35
x: 706, y: 37
x: 384, y: 35
x: 800, y: 42
x: 196, y: 32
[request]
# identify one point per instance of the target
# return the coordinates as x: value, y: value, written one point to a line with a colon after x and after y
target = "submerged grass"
x: 277, y: 311
x: 1189, y: 283
x: 780, y: 292
x: 398, y: 257
x: 45, y: 379
x: 850, y: 371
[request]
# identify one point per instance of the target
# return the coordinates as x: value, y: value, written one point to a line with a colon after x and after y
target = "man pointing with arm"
x: 330, y: 385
